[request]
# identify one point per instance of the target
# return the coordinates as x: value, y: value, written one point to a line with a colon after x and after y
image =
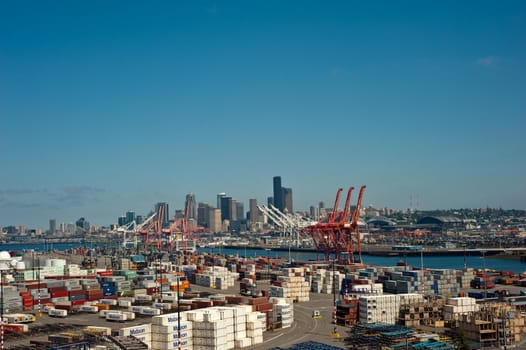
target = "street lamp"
x: 334, y: 333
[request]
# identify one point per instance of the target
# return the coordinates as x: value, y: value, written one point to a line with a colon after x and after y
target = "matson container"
x: 57, y: 313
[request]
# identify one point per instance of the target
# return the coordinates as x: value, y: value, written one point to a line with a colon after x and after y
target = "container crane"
x: 337, y: 233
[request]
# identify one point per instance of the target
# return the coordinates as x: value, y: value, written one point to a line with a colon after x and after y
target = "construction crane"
x: 337, y: 234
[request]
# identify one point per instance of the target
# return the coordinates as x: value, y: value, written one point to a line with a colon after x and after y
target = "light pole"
x: 334, y: 333
x: 178, y: 307
x: 268, y: 269
x: 2, y: 309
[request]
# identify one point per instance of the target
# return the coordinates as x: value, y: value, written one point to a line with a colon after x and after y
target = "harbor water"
x: 430, y: 262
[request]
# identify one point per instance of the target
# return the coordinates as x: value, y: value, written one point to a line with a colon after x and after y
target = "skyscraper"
x: 287, y: 200
x: 278, y: 193
x: 192, y: 207
x: 219, y: 196
x: 130, y: 216
x: 203, y: 214
x: 240, y: 211
x: 215, y: 220
x: 52, y: 226
x: 254, y: 211
x: 166, y: 214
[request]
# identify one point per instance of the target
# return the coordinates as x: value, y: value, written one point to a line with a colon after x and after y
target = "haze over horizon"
x: 110, y: 106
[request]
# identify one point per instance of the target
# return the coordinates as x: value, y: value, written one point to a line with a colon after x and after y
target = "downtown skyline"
x: 107, y: 107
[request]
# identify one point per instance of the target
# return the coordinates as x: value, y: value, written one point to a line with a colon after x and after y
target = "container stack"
x: 445, y: 282
x: 213, y: 328
x: 455, y: 307
x: 347, y: 312
x: 464, y: 277
x: 166, y: 329
x: 216, y: 277
x: 240, y: 326
x: 282, y: 312
x: 256, y: 324
x: 291, y: 284
x: 142, y: 332
x: 384, y: 308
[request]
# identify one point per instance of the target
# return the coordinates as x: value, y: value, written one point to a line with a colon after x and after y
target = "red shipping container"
x: 57, y: 289
x: 59, y: 294
x: 76, y: 292
x: 78, y: 302
x: 105, y: 273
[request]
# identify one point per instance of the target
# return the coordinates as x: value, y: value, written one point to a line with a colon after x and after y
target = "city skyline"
x: 109, y: 107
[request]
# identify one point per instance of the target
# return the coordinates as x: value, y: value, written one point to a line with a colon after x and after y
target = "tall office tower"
x: 166, y: 216
x: 219, y: 196
x: 203, y: 214
x: 321, y: 205
x: 192, y: 207
x: 240, y: 212
x: 287, y: 200
x: 214, y: 220
x: 52, y: 226
x: 62, y: 227
x: 314, y: 212
x: 278, y: 194
x: 270, y: 201
x: 130, y: 216
x: 139, y: 219
x: 228, y: 208
x: 22, y: 229
x: 121, y: 221
x: 254, y: 210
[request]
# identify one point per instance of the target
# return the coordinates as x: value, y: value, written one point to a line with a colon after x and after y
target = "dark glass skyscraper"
x: 278, y: 194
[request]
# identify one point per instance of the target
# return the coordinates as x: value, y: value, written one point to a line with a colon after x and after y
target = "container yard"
x: 199, y: 306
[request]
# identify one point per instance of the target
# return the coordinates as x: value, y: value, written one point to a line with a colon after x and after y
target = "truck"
x: 58, y: 313
x: 19, y: 318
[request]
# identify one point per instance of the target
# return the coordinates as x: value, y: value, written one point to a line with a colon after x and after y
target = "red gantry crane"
x: 337, y: 234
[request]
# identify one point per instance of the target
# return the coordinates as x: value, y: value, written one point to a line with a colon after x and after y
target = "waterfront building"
x: 203, y: 214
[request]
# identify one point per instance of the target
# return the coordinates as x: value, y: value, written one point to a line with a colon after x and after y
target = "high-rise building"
x: 270, y: 201
x: 22, y: 229
x: 214, y: 220
x: 52, y: 226
x: 166, y: 214
x: 203, y: 214
x: 228, y: 208
x: 254, y: 211
x: 121, y: 220
x: 240, y: 211
x: 190, y: 203
x: 219, y: 196
x: 130, y: 216
x: 278, y: 193
x: 62, y: 227
x: 287, y: 200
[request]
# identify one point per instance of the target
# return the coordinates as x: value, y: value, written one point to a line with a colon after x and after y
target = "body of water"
x: 431, y: 262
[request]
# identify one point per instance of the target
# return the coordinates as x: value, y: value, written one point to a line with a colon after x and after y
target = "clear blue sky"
x: 109, y: 106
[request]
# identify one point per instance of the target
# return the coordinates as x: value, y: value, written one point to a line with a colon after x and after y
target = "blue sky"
x: 109, y: 106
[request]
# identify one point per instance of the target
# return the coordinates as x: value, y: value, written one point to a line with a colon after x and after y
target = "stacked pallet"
x: 291, y: 284
x: 455, y: 307
x: 425, y: 313
x: 171, y: 331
